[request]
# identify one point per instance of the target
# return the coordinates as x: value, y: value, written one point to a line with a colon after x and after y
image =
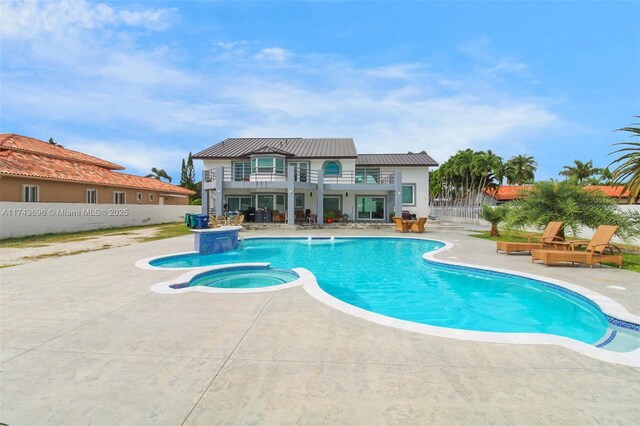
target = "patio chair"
x: 549, y: 239
x: 312, y: 218
x: 418, y: 225
x: 596, y: 250
x: 401, y: 225
x: 213, y: 222
x: 240, y: 219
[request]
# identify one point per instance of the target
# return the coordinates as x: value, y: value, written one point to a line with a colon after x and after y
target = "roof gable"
x: 268, y: 150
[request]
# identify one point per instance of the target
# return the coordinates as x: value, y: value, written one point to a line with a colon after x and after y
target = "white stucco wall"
x: 418, y: 176
x: 19, y: 219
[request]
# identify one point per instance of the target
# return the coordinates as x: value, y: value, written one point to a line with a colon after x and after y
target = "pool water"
x: 243, y: 278
x: 388, y: 276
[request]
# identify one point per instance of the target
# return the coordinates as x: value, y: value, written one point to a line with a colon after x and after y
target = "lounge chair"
x: 594, y: 253
x: 418, y: 225
x: 401, y: 225
x: 549, y: 239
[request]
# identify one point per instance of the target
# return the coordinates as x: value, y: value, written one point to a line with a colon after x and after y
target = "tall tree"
x: 521, y: 169
x: 190, y: 171
x: 159, y: 174
x: 183, y: 174
x: 627, y: 172
x: 580, y: 172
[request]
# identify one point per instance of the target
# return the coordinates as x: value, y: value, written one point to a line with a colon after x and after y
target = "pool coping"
x: 608, y: 306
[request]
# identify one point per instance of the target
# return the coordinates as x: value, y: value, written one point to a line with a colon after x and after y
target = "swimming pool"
x: 388, y: 277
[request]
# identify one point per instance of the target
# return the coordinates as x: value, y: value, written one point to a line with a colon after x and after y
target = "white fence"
x: 474, y: 215
x: 20, y: 219
x: 471, y: 214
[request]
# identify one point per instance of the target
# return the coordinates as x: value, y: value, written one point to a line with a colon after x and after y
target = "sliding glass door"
x: 370, y: 208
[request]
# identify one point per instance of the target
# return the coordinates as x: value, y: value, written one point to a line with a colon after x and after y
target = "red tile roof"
x: 36, y: 161
x: 26, y: 144
x: 508, y: 192
x: 609, y: 190
x: 512, y: 192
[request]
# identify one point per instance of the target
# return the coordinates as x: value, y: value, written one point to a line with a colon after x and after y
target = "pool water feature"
x: 388, y: 277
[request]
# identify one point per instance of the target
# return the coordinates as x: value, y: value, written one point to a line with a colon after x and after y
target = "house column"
x: 291, y: 198
x: 219, y: 190
x: 398, y: 194
x: 204, y: 195
x: 320, y: 205
x: 428, y: 195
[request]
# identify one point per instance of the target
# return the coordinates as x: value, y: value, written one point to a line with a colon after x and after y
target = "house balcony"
x: 302, y: 179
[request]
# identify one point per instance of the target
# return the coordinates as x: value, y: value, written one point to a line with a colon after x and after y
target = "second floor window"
x: 332, y: 168
x: 241, y: 171
x: 364, y: 175
x: 267, y: 165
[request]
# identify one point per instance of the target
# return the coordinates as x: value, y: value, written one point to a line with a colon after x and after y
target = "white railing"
x: 301, y: 175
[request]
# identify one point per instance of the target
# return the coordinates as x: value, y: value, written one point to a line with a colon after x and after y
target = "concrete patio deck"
x: 84, y: 341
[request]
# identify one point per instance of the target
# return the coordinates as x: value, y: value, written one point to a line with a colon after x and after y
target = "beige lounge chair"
x: 549, y: 239
x: 594, y: 253
x: 401, y: 225
x: 418, y: 225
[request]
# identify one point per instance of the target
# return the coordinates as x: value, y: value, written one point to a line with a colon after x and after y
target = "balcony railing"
x: 301, y: 175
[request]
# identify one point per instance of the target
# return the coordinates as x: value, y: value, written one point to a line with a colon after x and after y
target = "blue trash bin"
x: 202, y: 221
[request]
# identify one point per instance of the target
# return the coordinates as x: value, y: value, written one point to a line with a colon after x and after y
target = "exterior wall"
x: 69, y: 192
x: 21, y: 219
x: 420, y: 177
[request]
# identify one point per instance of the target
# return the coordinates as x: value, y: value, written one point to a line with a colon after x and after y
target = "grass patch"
x: 164, y: 231
x: 168, y: 231
x: 630, y: 253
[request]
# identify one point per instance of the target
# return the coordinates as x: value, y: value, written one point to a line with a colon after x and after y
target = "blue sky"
x: 143, y: 83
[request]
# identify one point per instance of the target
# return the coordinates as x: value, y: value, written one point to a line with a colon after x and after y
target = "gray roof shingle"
x: 408, y: 160
x: 298, y: 147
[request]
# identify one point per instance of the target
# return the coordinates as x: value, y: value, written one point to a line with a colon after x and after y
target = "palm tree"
x: 159, y: 174
x: 522, y: 169
x: 580, y: 171
x: 494, y: 215
x: 605, y: 177
x: 570, y: 203
x: 628, y: 171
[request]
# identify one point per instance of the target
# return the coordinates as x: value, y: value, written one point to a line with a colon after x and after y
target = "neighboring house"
x: 504, y: 194
x: 324, y: 177
x: 35, y: 171
x: 511, y: 192
x: 616, y: 192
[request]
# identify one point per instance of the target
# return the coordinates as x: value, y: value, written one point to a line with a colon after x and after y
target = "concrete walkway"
x: 84, y: 341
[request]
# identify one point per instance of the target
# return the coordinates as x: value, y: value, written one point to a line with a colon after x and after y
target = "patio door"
x: 370, y: 208
x: 332, y: 203
x: 270, y: 202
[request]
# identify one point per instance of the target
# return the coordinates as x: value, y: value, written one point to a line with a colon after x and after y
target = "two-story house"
x: 320, y: 176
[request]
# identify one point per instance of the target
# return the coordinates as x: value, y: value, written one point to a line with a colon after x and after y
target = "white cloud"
x: 276, y: 54
x: 30, y: 19
x: 101, y: 80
